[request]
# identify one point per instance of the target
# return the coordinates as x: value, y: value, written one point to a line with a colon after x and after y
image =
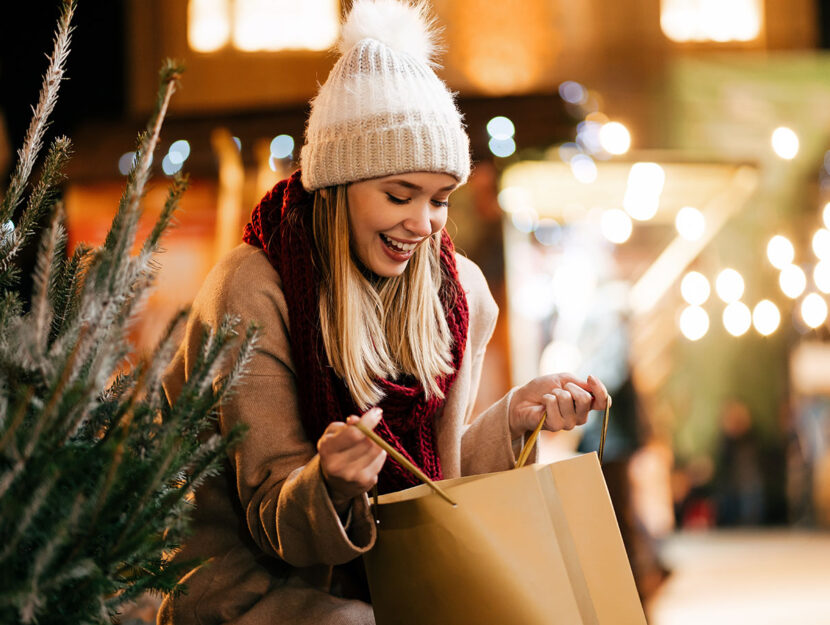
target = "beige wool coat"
x: 277, y: 551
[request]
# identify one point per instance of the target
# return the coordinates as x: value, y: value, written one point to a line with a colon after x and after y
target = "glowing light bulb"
x: 792, y: 281
x: 614, y: 138
x: 694, y: 323
x: 785, y: 143
x: 690, y: 223
x: 766, y: 317
x: 780, y: 251
x: 813, y: 310
x: 616, y: 225
x: 695, y: 288
x: 729, y: 285
x: 737, y: 318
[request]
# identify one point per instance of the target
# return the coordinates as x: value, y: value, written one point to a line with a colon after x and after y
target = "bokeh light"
x: 825, y: 215
x: 785, y: 142
x: 792, y: 281
x: 501, y: 127
x: 502, y: 147
x: 282, y: 146
x: 766, y: 317
x: 813, y: 310
x: 690, y: 223
x: 514, y: 198
x: 179, y: 151
x: 821, y: 243
x: 572, y: 92
x: 615, y: 138
x: 780, y: 251
x: 583, y: 168
x: 729, y: 285
x: 737, y: 318
x: 126, y: 162
x: 695, y: 288
x: 694, y: 323
x: 821, y: 276
x: 642, y: 195
x: 616, y: 225
x: 168, y: 166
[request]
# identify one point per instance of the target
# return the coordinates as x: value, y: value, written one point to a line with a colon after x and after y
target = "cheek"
x: 439, y: 221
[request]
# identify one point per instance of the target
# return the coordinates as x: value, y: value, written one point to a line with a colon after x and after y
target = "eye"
x: 440, y: 203
x: 396, y: 200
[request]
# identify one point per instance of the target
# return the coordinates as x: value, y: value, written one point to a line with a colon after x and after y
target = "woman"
x: 368, y: 315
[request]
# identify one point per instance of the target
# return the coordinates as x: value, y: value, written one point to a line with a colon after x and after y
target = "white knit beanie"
x: 382, y: 110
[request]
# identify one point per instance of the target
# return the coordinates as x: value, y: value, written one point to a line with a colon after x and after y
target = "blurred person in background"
x: 738, y: 481
x: 368, y: 315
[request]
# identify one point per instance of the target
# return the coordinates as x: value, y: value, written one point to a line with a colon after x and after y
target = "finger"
x: 600, y: 393
x: 582, y: 400
x: 566, y: 408
x: 371, y: 417
x: 554, y: 421
x: 341, y: 437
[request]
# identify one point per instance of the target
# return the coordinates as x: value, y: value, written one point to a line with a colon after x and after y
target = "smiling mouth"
x: 401, y: 248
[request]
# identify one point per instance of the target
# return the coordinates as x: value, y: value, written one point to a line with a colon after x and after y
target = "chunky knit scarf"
x: 280, y: 225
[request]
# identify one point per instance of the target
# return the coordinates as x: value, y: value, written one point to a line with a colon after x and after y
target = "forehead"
x: 421, y: 181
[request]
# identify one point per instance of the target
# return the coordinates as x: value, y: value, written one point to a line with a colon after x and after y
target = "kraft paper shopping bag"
x: 538, y: 545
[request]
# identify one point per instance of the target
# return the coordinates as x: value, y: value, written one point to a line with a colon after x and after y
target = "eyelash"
x: 399, y: 201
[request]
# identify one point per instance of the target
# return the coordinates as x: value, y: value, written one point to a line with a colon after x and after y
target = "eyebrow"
x: 415, y: 187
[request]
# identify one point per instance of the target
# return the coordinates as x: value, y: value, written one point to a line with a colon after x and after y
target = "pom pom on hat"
x: 383, y: 110
x: 402, y: 26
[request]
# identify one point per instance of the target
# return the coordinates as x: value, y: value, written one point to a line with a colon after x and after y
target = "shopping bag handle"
x: 528, y: 446
x: 403, y: 461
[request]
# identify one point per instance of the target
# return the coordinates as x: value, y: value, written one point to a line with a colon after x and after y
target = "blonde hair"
x: 378, y: 328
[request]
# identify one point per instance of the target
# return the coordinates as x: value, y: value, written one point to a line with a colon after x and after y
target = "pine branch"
x: 33, y: 141
x: 40, y: 203
x: 47, y: 266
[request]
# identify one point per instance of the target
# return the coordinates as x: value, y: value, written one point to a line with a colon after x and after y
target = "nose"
x: 419, y: 219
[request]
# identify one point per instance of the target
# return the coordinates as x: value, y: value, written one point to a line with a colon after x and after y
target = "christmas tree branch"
x: 33, y: 141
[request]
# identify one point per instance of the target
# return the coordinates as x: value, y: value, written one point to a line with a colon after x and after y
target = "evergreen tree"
x: 96, y: 467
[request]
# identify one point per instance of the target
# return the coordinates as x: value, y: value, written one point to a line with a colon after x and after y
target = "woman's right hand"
x: 349, y: 460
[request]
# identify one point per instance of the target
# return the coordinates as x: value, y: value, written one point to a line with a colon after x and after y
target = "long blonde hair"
x: 378, y: 328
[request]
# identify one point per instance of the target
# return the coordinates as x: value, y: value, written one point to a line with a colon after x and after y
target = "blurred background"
x: 650, y: 204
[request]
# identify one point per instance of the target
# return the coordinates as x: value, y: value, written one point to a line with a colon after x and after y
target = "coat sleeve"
x: 276, y: 469
x: 486, y: 444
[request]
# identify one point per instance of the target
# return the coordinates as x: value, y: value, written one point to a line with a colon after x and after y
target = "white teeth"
x: 400, y: 247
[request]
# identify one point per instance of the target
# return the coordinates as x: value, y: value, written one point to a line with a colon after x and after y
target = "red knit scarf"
x: 280, y: 225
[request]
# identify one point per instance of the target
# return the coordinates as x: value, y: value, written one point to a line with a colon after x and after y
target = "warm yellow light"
x: 616, y: 225
x: 208, y: 24
x: 826, y: 215
x: 821, y: 276
x: 642, y: 195
x: 821, y: 243
x: 690, y: 223
x: 813, y: 310
x: 766, y: 317
x: 695, y: 288
x: 785, y: 143
x: 614, y: 138
x: 792, y: 281
x: 737, y: 319
x: 729, y: 285
x: 711, y: 20
x: 514, y: 199
x: 271, y: 25
x: 694, y: 323
x: 780, y: 251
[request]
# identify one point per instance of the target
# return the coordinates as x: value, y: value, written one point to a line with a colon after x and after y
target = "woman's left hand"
x: 565, y: 399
